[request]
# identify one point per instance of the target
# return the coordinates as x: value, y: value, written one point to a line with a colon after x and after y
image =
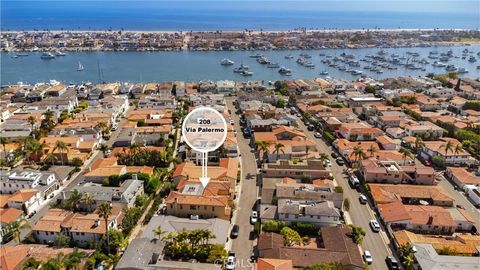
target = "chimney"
x: 97, y: 222
x: 430, y: 220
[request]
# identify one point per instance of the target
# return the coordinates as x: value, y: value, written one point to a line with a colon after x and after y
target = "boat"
x: 273, y: 65
x: 263, y: 60
x: 80, y: 67
x: 451, y: 68
x: 240, y: 69
x: 356, y: 72
x: 324, y: 72
x: 381, y: 52
x: 289, y: 56
x: 246, y: 73
x: 342, y: 68
x: 472, y: 59
x: 22, y: 54
x: 478, y: 67
x: 257, y: 55
x: 321, y: 54
x: 285, y: 71
x: 309, y: 65
x: 462, y: 70
x: 305, y: 55
x: 439, y: 64
x: 47, y: 55
x: 59, y: 53
x: 226, y: 62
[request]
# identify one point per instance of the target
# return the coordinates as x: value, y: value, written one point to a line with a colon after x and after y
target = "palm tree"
x: 16, y: 227
x: 449, y: 147
x: 72, y: 261
x: 159, y: 232
x: 278, y: 149
x: 358, y: 154
x: 405, y: 153
x: 372, y: 150
x: 406, y: 255
x: 61, y: 147
x: 262, y: 146
x: 88, y: 201
x: 35, y: 148
x: 73, y: 200
x: 458, y: 148
x: 470, y: 124
x: 31, y: 264
x: 104, y: 148
x: 4, y: 141
x: 418, y: 144
x: 32, y: 120
x: 102, y: 127
x: 53, y: 263
x: 104, y: 211
x: 50, y: 157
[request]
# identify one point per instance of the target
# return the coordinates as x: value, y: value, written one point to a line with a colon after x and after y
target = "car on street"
x: 353, y: 180
x: 317, y: 135
x: 340, y: 161
x: 460, y: 206
x: 230, y: 262
x: 327, y: 163
x: 363, y: 199
x: 311, y: 127
x: 254, y: 217
x: 392, y: 263
x: 334, y: 155
x: 367, y: 257
x: 374, y: 225
x: 234, y: 231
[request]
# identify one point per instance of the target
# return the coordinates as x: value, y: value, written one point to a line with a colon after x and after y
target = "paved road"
x: 461, y: 199
x: 76, y: 179
x: 376, y: 243
x: 242, y: 246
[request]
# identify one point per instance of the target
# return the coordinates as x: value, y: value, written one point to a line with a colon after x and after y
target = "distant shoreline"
x: 253, y: 31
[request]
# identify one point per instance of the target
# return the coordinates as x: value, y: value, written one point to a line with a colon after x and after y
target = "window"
x: 181, y: 207
x: 335, y: 218
x: 193, y: 207
x: 286, y: 215
x: 83, y: 233
x: 205, y: 208
x: 76, y: 233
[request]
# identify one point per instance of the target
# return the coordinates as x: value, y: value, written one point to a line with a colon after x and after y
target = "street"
x: 242, y: 246
x: 376, y: 243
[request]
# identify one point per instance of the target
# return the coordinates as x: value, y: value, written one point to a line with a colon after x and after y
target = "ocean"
x: 238, y: 15
x: 196, y: 66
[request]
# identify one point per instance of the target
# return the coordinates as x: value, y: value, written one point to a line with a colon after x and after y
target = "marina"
x: 38, y: 66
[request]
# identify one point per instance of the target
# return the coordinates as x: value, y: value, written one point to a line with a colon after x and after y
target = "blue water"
x: 196, y: 66
x: 237, y: 15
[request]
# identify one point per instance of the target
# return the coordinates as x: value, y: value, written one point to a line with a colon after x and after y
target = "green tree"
x: 339, y: 189
x: 61, y: 240
x: 406, y: 255
x: 263, y: 147
x: 102, y: 128
x: 358, y: 154
x: 357, y: 234
x: 278, y: 149
x: 346, y: 204
x: 449, y: 147
x: 290, y: 237
x: 372, y: 150
x: 419, y: 144
x: 116, y: 240
x: 72, y: 261
x: 217, y: 253
x: 15, y: 227
x: 104, y: 149
x: 104, y: 211
x: 32, y: 120
x: 73, y: 199
x: 273, y: 226
x: 88, y: 200
x: 327, y: 266
x: 77, y: 163
x: 31, y: 264
x: 4, y: 141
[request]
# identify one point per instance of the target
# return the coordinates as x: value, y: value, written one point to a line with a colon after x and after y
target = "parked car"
x: 353, y: 180
x: 392, y: 263
x: 311, y: 127
x: 234, y: 231
x: 363, y: 199
x: 427, y: 163
x: 334, y: 155
x: 317, y: 135
x: 374, y: 225
x: 460, y: 206
x: 230, y: 262
x: 327, y: 163
x: 367, y: 257
x: 340, y: 161
x: 254, y: 217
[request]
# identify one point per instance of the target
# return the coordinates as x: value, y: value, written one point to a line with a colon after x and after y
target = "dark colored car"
x: 340, y: 161
x: 392, y: 263
x: 234, y: 232
x: 334, y: 155
x: 311, y: 127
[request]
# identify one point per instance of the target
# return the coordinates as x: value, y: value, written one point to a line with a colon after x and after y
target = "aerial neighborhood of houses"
x: 313, y: 174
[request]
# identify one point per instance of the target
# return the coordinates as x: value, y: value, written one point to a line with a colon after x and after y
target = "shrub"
x: 273, y: 226
x: 304, y: 229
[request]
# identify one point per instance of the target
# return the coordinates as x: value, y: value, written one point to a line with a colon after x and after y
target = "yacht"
x: 451, y: 68
x: 226, y: 62
x: 356, y: 72
x: 309, y: 65
x: 246, y: 73
x: 305, y: 55
x: 59, y: 53
x: 439, y: 64
x: 240, y: 69
x: 80, y: 67
x: 263, y: 60
x: 462, y: 70
x: 472, y: 59
x: 257, y: 55
x: 321, y: 54
x: 47, y: 55
x: 285, y: 71
x: 289, y: 56
x: 324, y: 72
x: 273, y: 65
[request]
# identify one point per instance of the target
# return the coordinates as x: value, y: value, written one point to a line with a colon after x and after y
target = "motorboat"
x: 263, y: 60
x: 246, y: 73
x: 80, y: 67
x: 289, y: 56
x: 439, y: 64
x: 451, y: 68
x: 462, y: 70
x: 273, y: 65
x: 226, y: 62
x: 285, y: 71
x: 241, y: 69
x: 324, y: 72
x: 47, y: 55
x: 257, y: 55
x: 59, y: 53
x: 472, y: 59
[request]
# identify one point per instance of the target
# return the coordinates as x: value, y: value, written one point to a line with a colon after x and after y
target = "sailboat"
x: 80, y: 67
